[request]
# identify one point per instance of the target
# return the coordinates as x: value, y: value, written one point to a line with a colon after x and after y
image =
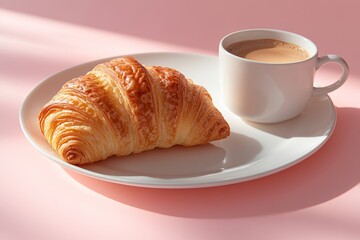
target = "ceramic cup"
x: 271, y: 92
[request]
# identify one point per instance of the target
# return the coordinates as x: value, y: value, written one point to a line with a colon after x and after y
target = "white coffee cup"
x: 271, y: 92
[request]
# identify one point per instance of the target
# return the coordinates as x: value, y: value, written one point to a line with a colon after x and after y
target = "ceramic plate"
x: 251, y: 151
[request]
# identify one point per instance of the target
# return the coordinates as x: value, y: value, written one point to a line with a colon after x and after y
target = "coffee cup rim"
x: 313, y: 52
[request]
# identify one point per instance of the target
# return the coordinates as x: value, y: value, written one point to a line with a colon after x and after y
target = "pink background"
x: 315, y: 199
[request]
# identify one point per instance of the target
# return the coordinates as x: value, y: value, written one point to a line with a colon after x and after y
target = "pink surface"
x: 315, y: 199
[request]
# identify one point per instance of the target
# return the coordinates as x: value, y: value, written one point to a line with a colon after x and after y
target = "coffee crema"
x: 268, y: 50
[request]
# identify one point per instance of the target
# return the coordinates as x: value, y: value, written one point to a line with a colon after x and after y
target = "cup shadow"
x: 328, y: 173
x: 303, y: 125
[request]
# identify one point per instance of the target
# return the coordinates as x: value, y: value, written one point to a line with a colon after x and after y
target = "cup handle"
x: 336, y: 59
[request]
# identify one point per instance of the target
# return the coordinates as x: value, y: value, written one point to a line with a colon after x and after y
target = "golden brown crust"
x: 169, y: 85
x: 134, y: 80
x: 122, y: 107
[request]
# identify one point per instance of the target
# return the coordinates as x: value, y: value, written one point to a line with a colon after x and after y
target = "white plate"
x: 251, y: 151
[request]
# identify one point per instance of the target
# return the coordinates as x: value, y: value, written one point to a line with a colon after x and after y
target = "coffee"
x: 268, y: 50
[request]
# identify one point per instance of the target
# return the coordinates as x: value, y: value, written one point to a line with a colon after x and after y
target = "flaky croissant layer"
x: 121, y: 107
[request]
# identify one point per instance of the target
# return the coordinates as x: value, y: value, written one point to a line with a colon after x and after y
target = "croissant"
x: 121, y: 107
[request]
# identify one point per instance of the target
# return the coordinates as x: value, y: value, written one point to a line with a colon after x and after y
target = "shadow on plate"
x: 176, y: 162
x: 330, y: 172
x: 182, y: 162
